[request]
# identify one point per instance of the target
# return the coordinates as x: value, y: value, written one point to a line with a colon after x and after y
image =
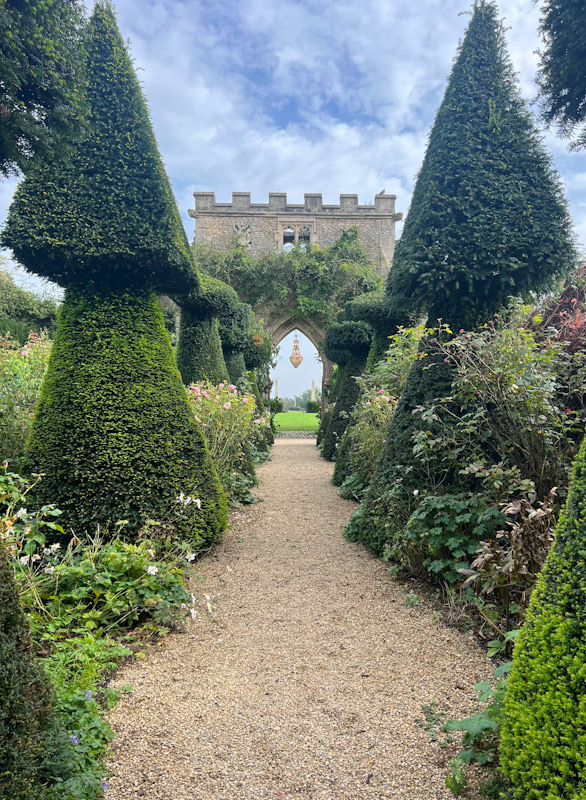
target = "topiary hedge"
x: 235, y: 334
x: 34, y: 753
x: 199, y: 351
x: 543, y: 736
x: 347, y: 344
x: 105, y: 212
x: 113, y: 431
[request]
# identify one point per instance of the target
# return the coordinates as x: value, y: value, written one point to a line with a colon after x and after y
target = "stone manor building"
x: 278, y: 225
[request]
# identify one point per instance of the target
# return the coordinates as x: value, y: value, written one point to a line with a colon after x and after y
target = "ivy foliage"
x: 303, y: 283
x: 41, y: 60
x: 543, y: 738
x: 562, y: 72
x: 104, y: 214
x: 488, y: 218
x: 34, y: 752
x: 113, y: 431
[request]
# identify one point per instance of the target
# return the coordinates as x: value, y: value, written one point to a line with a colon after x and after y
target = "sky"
x: 298, y: 96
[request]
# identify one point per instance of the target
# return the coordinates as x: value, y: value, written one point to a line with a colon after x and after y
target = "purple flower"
x: 74, y: 739
x: 104, y: 787
x: 88, y: 695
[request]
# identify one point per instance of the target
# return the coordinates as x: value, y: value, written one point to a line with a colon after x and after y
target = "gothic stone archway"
x: 284, y: 325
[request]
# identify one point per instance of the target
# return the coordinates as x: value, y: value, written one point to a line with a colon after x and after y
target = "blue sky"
x: 299, y: 96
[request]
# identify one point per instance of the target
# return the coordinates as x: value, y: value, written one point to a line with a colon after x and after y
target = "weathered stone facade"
x: 278, y: 225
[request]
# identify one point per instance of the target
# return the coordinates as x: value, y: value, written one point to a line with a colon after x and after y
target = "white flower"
x: 193, y: 613
x: 47, y: 551
x: 49, y: 570
x: 24, y: 560
x: 55, y: 547
x: 22, y: 512
x: 208, y: 600
x: 151, y: 552
x: 184, y: 606
x: 36, y: 557
x: 197, y: 502
x: 152, y: 570
x: 193, y: 600
x: 190, y: 557
x: 228, y: 569
x: 415, y: 492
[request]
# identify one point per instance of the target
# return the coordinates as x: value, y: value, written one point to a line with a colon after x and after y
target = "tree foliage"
x: 41, y: 61
x: 488, y: 218
x: 104, y: 213
x: 562, y: 73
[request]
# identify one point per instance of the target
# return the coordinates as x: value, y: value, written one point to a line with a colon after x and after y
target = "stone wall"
x: 268, y: 228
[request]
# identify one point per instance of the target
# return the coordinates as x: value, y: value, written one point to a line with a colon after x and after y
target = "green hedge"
x: 543, y: 738
x: 341, y: 408
x: 105, y: 214
x: 347, y: 341
x: 199, y: 352
x: 113, y: 431
x: 34, y: 753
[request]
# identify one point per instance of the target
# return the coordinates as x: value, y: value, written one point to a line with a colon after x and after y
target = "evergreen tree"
x: 113, y: 432
x: 104, y: 214
x: 199, y: 352
x: 543, y: 736
x: 41, y: 58
x: 235, y: 335
x: 488, y: 219
x: 562, y: 74
x: 347, y: 344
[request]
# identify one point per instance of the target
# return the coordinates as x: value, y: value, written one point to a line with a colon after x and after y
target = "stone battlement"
x: 313, y: 204
x: 278, y: 226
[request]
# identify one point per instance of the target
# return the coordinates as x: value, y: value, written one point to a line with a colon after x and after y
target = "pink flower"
x: 227, y: 405
x: 245, y: 399
x: 221, y: 385
x: 381, y: 391
x: 205, y: 394
x: 230, y: 385
x: 196, y: 391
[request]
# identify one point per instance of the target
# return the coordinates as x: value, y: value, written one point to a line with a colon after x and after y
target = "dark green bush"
x: 22, y: 312
x: 113, y: 431
x: 34, y: 752
x: 313, y: 407
x: 104, y: 213
x: 543, y: 739
x: 199, y: 352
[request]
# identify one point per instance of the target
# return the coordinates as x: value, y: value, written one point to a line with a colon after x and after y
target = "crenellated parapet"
x: 278, y: 225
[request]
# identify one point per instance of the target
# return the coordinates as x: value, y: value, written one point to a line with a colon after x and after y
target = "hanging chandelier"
x: 296, y: 358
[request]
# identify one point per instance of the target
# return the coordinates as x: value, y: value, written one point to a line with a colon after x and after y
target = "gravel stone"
x: 306, y: 678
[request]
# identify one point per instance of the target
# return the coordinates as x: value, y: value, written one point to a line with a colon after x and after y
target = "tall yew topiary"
x: 543, y: 736
x: 347, y: 344
x: 487, y: 220
x: 199, y: 352
x: 113, y: 433
x: 235, y: 335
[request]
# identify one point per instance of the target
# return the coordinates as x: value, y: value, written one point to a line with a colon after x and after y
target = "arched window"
x: 304, y: 238
x: 288, y: 239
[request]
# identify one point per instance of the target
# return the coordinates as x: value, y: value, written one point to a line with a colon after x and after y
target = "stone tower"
x: 278, y: 225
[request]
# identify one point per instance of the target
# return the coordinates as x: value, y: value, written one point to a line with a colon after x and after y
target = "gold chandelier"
x: 296, y: 358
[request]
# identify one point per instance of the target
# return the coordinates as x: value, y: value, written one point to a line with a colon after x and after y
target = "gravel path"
x: 307, y: 677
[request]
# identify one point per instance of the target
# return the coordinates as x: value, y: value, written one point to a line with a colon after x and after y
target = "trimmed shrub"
x: 199, y: 352
x: 313, y: 407
x: 34, y: 752
x: 235, y: 334
x: 104, y: 214
x: 543, y: 739
x: 456, y: 259
x: 113, y: 431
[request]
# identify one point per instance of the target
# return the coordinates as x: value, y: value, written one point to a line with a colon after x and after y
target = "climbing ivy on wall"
x: 314, y: 283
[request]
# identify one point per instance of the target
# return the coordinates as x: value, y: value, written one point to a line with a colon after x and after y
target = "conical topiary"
x: 347, y: 344
x: 543, y: 736
x: 104, y: 214
x: 488, y: 219
x: 113, y: 431
x: 199, y: 352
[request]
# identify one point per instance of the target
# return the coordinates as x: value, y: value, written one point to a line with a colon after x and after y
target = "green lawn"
x: 296, y: 421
